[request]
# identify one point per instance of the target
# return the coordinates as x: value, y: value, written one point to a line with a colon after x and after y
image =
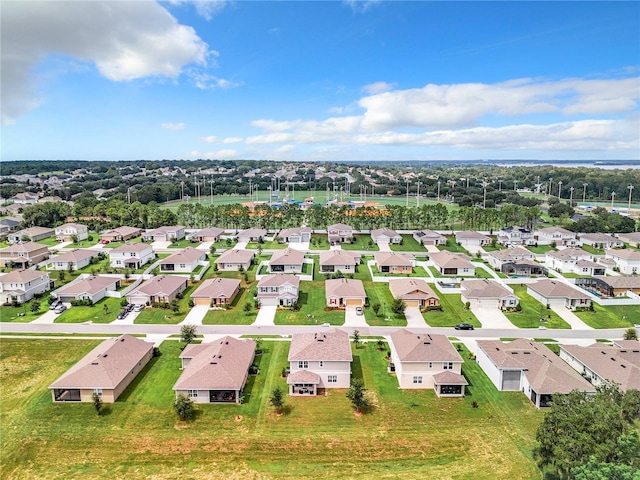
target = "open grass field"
x: 409, y: 244
x: 361, y: 243
x: 453, y: 312
x: 532, y: 311
x: 452, y: 246
x: 405, y: 435
x: 611, y: 316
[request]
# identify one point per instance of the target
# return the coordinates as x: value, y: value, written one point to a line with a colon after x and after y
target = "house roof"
x: 290, y: 232
x: 484, y: 288
x: 622, y: 281
x: 339, y: 257
x: 252, y: 232
x: 235, y: 256
x: 625, y: 253
x: 556, y: 289
x: 75, y: 255
x: 447, y: 259
x: 77, y: 226
x: 428, y: 234
x: 89, y: 285
x: 509, y: 254
x: 410, y: 288
x: 106, y: 365
x: 217, y: 288
x: 569, y: 254
x: 22, y: 276
x: 588, y: 263
x: 384, y: 232
x: 208, y: 232
x: 344, y: 287
x: 288, y: 256
x: 390, y: 259
x: 279, y: 279
x: 514, y: 228
x: 219, y: 365
x: 33, y: 231
x: 24, y: 248
x: 552, y: 230
x: 159, y: 286
x: 123, y: 230
x: 329, y: 345
x: 545, y: 371
x: 188, y: 255
x: 339, y: 226
x: 132, y: 247
x: 618, y: 364
x: 449, y: 378
x: 418, y: 347
x: 631, y: 237
x: 598, y: 237
x: 303, y: 376
x: 468, y: 234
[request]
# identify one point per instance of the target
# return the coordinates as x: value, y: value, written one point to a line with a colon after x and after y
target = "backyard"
x: 405, y: 435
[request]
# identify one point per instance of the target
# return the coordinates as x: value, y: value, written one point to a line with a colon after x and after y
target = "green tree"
x: 247, y: 307
x: 105, y: 309
x: 188, y: 333
x: 376, y: 307
x: 183, y: 406
x: 35, y: 307
x: 277, y: 399
x: 356, y: 394
x: 398, y: 306
x: 97, y: 402
x: 62, y: 275
x: 356, y: 338
x: 630, y: 334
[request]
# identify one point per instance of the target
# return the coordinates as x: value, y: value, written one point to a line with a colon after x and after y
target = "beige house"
x: 215, y: 372
x: 429, y: 237
x: 344, y: 261
x: 295, y: 235
x: 279, y: 289
x: 164, y: 234
x: 486, y: 293
x: 395, y: 263
x: 529, y: 367
x: 556, y: 236
x: 385, y: 236
x: 32, y: 234
x: 22, y: 285
x: 211, y: 234
x: 289, y: 260
x: 234, y: 260
x: 185, y: 261
x: 453, y: 264
x: 627, y: 260
x: 557, y: 293
x: 92, y: 288
x: 469, y: 238
x: 74, y: 260
x: 67, y: 232
x: 216, y: 291
x: 106, y: 370
x: 131, y: 255
x: 120, y: 234
x: 345, y: 292
x: 426, y: 361
x: 23, y: 255
x: 601, y: 241
x: 632, y: 238
x: 318, y: 361
x: 339, y: 233
x: 565, y: 260
x: 160, y: 289
x: 414, y: 292
x: 252, y: 235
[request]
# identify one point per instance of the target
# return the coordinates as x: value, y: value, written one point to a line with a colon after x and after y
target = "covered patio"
x: 303, y: 383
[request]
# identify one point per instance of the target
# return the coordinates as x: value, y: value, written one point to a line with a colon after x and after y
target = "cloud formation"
x: 124, y: 40
x: 173, y: 126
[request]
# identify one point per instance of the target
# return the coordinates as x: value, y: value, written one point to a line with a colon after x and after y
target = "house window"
x: 447, y: 366
x: 321, y: 363
x: 430, y: 364
x: 97, y: 391
x: 417, y: 380
x: 182, y: 265
x: 303, y: 364
x: 332, y: 379
x: 192, y: 393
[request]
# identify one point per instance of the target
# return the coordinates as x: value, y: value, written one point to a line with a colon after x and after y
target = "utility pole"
x: 613, y: 196
x: 584, y: 192
x: 182, y: 188
x: 484, y: 196
x: 407, y: 193
x: 549, y: 192
x: 500, y: 185
x: 571, y: 196
x: 250, y: 192
x: 630, y: 188
x: 211, y: 184
x: 418, y: 195
x: 560, y: 189
x: 438, y: 190
x: 128, y: 194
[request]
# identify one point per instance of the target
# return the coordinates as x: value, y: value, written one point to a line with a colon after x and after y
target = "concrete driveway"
x: 196, y: 315
x: 571, y: 318
x: 160, y: 245
x: 128, y: 320
x: 47, y: 317
x: 337, y: 246
x: 492, y: 317
x: 473, y: 249
x: 414, y: 317
x: 204, y: 246
x: 384, y: 247
x: 432, y: 248
x: 352, y: 319
x: 266, y: 315
x: 239, y: 246
x: 302, y: 246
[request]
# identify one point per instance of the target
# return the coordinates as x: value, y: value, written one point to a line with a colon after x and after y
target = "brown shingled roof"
x: 418, y: 347
x: 327, y: 345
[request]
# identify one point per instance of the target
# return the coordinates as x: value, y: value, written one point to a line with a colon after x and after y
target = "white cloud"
x: 377, y: 87
x: 360, y: 6
x: 285, y: 149
x: 232, y: 140
x: 217, y: 155
x: 209, y: 139
x: 205, y: 8
x: 124, y: 40
x: 205, y: 81
x: 173, y: 126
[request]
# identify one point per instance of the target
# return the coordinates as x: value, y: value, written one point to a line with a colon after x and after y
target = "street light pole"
x: 407, y: 193
x: 438, y: 190
x: 571, y: 196
x: 613, y: 196
x: 584, y: 192
x: 630, y: 187
x: 418, y: 195
x: 560, y: 189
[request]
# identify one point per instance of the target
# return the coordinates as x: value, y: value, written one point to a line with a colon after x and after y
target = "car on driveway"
x: 138, y: 307
x: 60, y: 308
x: 55, y: 304
x: 359, y: 311
x: 464, y: 326
x: 122, y: 314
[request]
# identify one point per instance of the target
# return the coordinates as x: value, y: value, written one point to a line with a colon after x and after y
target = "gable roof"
x: 77, y: 226
x: 89, y: 285
x: 410, y: 288
x: 625, y: 253
x: 252, y: 232
x: 75, y: 255
x: 468, y: 234
x: 188, y: 255
x: 122, y: 230
x: 569, y: 254
x: 24, y: 248
x: 289, y: 232
x: 384, y: 232
x: 235, y: 256
x: 393, y: 259
x: 288, y: 256
x: 217, y: 288
x: 22, y: 276
x: 329, y: 345
x: 279, y: 279
x: 33, y: 231
x: 598, y: 237
x: 622, y: 281
x: 418, y: 347
x: 208, y: 232
x: 509, y: 254
x: 556, y: 289
x: 339, y: 257
x: 552, y: 230
x: 165, y: 229
x: 132, y: 247
x: 106, y: 365
x: 219, y: 365
x: 160, y: 285
x: 344, y: 287
x: 422, y: 234
x: 447, y: 259
x: 339, y: 226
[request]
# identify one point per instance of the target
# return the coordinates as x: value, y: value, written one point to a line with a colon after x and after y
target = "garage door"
x: 269, y: 302
x: 201, y: 301
x: 353, y: 302
x: 511, y: 380
x: 412, y: 303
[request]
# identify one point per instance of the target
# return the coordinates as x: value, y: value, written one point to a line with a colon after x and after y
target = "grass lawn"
x: 312, y: 301
x: 274, y: 245
x: 493, y: 248
x: 415, y: 272
x: 452, y: 246
x: 84, y: 243
x: 235, y: 315
x: 541, y: 249
x: 481, y: 272
x: 49, y: 241
x: 361, y: 242
x: 405, y: 435
x: 590, y: 249
x: 532, y: 311
x: 23, y: 313
x: 611, y: 316
x: 453, y: 312
x: 159, y: 315
x: 380, y: 293
x: 409, y: 244
x: 183, y: 243
x: 94, y: 313
x: 319, y: 242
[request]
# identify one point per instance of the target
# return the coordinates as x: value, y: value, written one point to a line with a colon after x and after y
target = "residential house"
x: 72, y: 260
x: 556, y: 293
x: 344, y: 261
x: 21, y: 286
x: 564, y: 261
x: 23, y: 255
x: 215, y: 372
x: 557, y: 236
x: 613, y: 286
x: 516, y: 262
x: 601, y: 364
x: 587, y: 267
x: 345, y: 292
x: 529, y: 367
x: 278, y: 290
x: 486, y: 293
x: 71, y: 231
x: 131, y: 255
x: 120, y: 234
x: 93, y: 288
x: 235, y: 260
x: 392, y: 262
x: 601, y: 241
x: 164, y: 234
x: 11, y: 223
x: 216, y: 291
x: 24, y: 198
x: 385, y: 236
x: 160, y: 289
x: 318, y: 361
x: 429, y: 237
x: 295, y: 235
x: 632, y: 238
x: 469, y: 238
x: 453, y: 264
x: 185, y: 261
x: 627, y: 260
x: 252, y: 235
x: 106, y: 370
x: 515, y: 235
x: 339, y: 233
x: 212, y: 234
x: 286, y: 261
x: 414, y: 292
x: 423, y: 361
x: 31, y: 234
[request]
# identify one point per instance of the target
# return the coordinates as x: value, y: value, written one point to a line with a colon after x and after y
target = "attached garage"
x: 202, y: 301
x: 353, y: 302
x: 412, y: 303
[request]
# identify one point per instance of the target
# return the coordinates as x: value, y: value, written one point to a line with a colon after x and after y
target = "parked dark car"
x: 128, y: 307
x: 122, y: 314
x: 464, y: 326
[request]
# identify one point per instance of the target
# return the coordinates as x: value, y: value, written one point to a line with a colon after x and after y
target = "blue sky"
x: 322, y: 81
